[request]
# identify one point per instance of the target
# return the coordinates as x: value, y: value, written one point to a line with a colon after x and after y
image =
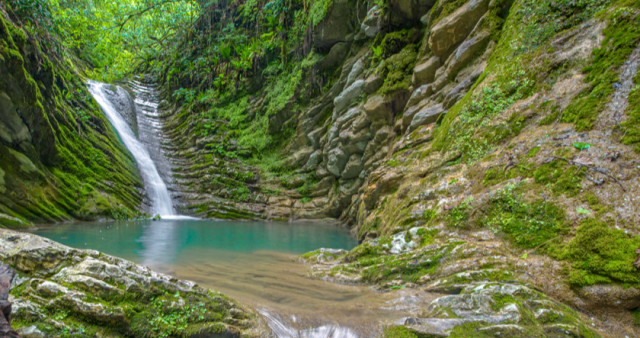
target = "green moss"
x: 528, y: 225
x: 599, y: 254
x: 470, y: 329
x: 561, y: 177
x: 631, y: 127
x: 636, y: 317
x: 622, y: 36
x: 399, y: 331
x: 468, y: 126
x: 394, y: 42
x: 459, y: 216
x: 397, y: 70
x: 499, y: 301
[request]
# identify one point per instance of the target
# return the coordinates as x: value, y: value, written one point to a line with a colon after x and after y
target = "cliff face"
x: 59, y: 156
x: 492, y: 136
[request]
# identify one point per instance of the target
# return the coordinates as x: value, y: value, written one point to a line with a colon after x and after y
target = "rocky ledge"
x: 61, y: 291
x: 476, y: 289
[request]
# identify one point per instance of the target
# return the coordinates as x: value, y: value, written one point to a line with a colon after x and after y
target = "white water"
x: 281, y: 329
x: 161, y: 203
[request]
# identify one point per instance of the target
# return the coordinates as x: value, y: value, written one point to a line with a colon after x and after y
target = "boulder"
x: 420, y: 94
x: 453, y: 29
x: 425, y: 72
x: 334, y: 58
x: 348, y: 95
x: 112, y: 295
x: 356, y: 71
x: 425, y: 116
x: 353, y: 168
x: 378, y: 108
x: 497, y: 309
x: 373, y: 83
x: 466, y: 52
x: 372, y: 23
x: 336, y: 161
x: 337, y: 24
x: 615, y: 296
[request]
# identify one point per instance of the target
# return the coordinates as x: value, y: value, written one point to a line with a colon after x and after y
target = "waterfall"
x: 156, y: 188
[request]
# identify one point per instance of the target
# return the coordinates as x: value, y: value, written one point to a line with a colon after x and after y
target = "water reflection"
x: 159, y: 243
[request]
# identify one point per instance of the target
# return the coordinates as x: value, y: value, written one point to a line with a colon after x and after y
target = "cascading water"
x: 156, y: 188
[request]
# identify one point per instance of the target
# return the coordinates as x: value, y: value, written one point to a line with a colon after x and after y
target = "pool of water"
x: 166, y: 242
x: 253, y: 262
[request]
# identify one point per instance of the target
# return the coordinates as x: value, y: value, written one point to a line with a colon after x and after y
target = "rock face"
x: 59, y: 289
x: 51, y: 137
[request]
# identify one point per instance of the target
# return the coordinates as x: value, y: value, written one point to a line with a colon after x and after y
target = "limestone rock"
x: 336, y: 25
x: 426, y: 116
x: 408, y: 11
x: 314, y: 160
x: 356, y: 71
x: 353, y: 168
x: 373, y: 83
x: 461, y: 89
x: 425, y: 72
x: 372, y: 23
x: 352, y: 92
x: 336, y: 161
x: 420, y: 94
x: 378, y: 109
x: 469, y: 49
x: 453, y: 29
x: 101, y: 290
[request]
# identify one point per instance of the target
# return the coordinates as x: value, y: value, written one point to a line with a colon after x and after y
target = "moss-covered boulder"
x: 62, y: 291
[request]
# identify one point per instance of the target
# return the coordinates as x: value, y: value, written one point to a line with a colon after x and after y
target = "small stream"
x: 253, y: 262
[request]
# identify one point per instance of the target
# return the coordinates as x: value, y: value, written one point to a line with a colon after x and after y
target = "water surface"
x: 255, y: 263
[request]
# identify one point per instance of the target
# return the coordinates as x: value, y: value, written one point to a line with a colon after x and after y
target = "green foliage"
x: 622, y: 36
x: 474, y: 132
x: 168, y: 320
x: 581, y: 145
x: 544, y: 18
x: 459, y: 216
x: 528, y: 225
x: 112, y: 36
x: 601, y: 254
